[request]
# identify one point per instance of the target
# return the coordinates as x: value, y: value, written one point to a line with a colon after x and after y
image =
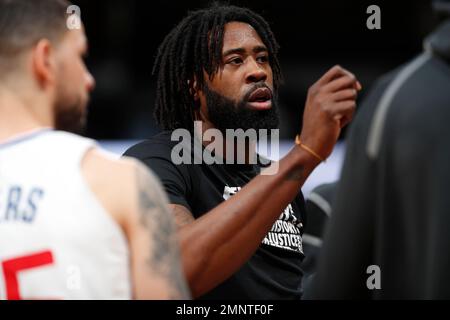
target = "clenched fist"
x: 329, y: 107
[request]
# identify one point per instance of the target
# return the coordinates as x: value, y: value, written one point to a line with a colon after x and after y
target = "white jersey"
x: 56, y: 239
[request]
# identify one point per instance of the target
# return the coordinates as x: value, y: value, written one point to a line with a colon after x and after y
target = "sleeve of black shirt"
x: 174, y: 178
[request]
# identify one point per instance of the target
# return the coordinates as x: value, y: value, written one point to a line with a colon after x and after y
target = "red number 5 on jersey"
x: 12, y: 267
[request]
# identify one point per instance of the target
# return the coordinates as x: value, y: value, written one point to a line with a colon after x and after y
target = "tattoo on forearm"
x: 164, y: 257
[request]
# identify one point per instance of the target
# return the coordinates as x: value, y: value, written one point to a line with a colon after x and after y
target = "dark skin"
x: 215, y: 245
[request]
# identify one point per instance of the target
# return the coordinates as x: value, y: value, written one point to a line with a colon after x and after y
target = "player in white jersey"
x: 75, y: 223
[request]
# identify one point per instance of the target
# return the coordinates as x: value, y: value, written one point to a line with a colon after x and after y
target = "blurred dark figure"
x: 318, y: 209
x: 392, y: 205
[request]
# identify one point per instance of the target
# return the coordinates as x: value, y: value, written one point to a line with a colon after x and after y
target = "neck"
x: 21, y: 114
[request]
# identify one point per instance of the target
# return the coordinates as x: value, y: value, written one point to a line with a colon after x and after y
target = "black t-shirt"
x: 273, y: 272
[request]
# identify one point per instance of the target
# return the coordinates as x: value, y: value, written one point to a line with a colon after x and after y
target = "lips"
x: 260, y: 99
x: 260, y: 95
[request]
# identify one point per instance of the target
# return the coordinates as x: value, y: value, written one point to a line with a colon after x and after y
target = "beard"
x: 70, y: 114
x: 225, y: 114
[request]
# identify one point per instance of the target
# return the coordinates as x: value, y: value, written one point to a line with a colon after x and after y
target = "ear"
x: 43, y: 63
x: 193, y: 89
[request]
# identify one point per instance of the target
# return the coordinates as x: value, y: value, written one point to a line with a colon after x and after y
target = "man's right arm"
x: 216, y: 245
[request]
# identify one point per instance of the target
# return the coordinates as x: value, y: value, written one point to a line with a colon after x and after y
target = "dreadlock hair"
x: 192, y: 47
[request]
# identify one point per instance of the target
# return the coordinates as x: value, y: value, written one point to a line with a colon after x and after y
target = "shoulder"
x: 114, y: 181
x: 167, y: 155
x: 66, y: 139
x: 415, y: 101
x: 159, y: 145
x: 64, y: 146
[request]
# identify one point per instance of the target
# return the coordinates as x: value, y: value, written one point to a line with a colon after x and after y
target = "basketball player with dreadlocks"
x: 219, y: 66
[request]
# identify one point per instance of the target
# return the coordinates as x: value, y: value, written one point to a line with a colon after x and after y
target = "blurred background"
x: 314, y: 35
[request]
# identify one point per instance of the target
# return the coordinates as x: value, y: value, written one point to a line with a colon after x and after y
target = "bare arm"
x: 217, y: 244
x: 214, y: 246
x: 154, y: 243
x: 134, y: 198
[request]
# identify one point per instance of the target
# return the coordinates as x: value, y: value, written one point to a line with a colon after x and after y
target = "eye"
x: 235, y: 61
x: 262, y: 59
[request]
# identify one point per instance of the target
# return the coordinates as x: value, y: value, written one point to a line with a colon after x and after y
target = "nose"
x: 90, y: 82
x: 256, y: 72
